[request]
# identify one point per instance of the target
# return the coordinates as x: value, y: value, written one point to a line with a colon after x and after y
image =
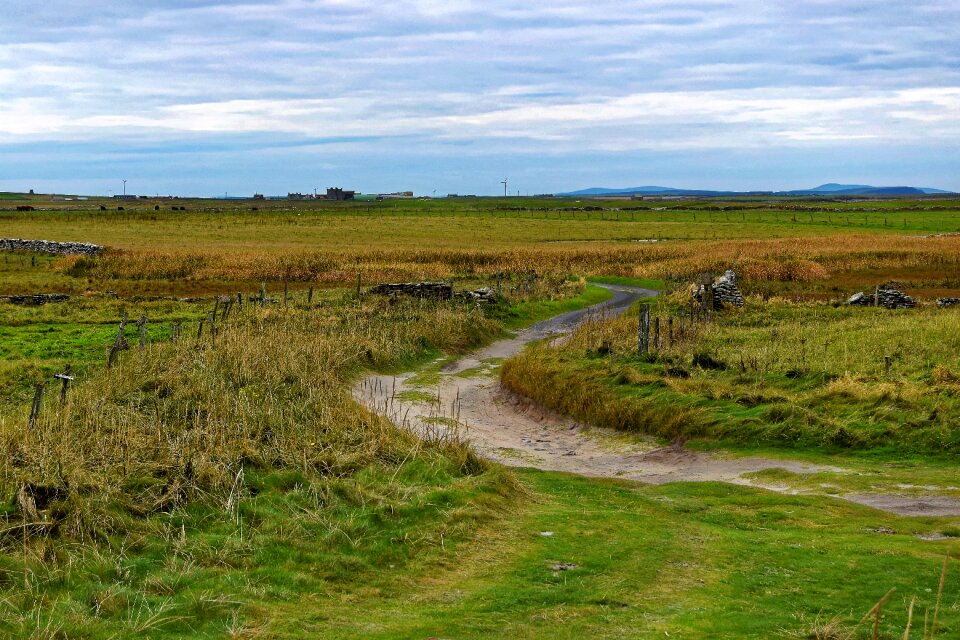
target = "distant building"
x: 124, y: 196
x: 298, y: 196
x: 258, y: 196
x: 336, y: 193
x: 396, y: 195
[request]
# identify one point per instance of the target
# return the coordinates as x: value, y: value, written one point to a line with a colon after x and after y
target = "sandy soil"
x: 469, y: 401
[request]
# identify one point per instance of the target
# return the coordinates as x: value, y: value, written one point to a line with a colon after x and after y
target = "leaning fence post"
x: 213, y: 326
x: 120, y: 343
x: 66, y: 378
x: 35, y: 409
x: 200, y: 329
x: 643, y: 330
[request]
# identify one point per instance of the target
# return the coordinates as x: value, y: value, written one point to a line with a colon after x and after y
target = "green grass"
x: 681, y: 560
x: 525, y: 314
x: 422, y: 551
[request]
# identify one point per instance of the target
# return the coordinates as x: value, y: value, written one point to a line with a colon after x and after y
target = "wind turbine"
x: 504, y: 183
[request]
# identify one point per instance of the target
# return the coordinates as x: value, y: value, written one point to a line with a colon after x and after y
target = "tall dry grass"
x: 176, y: 423
x: 785, y: 260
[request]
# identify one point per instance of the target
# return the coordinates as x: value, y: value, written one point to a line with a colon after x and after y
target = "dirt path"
x: 466, y: 396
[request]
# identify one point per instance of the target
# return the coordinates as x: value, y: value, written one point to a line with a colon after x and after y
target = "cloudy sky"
x: 201, y: 97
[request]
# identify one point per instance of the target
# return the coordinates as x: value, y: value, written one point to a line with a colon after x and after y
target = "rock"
x: 943, y: 303
x: 49, y: 246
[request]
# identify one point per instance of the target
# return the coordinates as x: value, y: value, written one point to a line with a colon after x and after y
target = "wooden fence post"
x: 670, y: 329
x: 886, y: 366
x: 120, y: 343
x: 656, y: 333
x: 310, y: 295
x: 239, y: 300
x: 35, y: 409
x: 643, y: 330
x: 65, y: 377
x: 142, y: 326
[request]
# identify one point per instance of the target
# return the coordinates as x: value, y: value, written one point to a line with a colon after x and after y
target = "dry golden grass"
x: 178, y: 422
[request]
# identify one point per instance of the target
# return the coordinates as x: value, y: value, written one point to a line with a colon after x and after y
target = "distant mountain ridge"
x: 828, y: 189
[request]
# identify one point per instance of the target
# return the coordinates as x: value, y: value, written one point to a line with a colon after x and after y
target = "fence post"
x: 120, y: 343
x: 142, y: 325
x: 876, y: 296
x: 656, y: 333
x: 886, y: 365
x: 239, y: 300
x: 310, y: 295
x: 35, y: 409
x: 643, y: 330
x: 66, y: 378
x: 670, y: 329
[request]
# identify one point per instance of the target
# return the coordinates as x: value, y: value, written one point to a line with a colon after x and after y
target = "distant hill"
x: 828, y: 189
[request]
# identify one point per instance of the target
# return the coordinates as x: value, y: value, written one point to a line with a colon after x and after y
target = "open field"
x: 227, y: 485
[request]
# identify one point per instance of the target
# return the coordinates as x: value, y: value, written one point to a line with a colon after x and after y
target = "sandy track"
x: 468, y: 399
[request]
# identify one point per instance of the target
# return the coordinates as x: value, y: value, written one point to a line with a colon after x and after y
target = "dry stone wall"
x: 50, y: 246
x: 886, y: 298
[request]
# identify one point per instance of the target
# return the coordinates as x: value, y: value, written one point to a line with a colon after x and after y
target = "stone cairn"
x: 49, y: 246
x: 725, y: 291
x: 943, y: 303
x: 886, y: 298
x: 434, y: 290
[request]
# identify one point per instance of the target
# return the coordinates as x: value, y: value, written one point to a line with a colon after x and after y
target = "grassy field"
x: 227, y: 485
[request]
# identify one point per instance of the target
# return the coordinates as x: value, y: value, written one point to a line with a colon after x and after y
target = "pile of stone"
x: 49, y: 246
x: 886, y: 298
x: 37, y: 298
x: 943, y: 303
x: 725, y: 291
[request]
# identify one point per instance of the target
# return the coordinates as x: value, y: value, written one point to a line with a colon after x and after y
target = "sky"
x: 197, y: 97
